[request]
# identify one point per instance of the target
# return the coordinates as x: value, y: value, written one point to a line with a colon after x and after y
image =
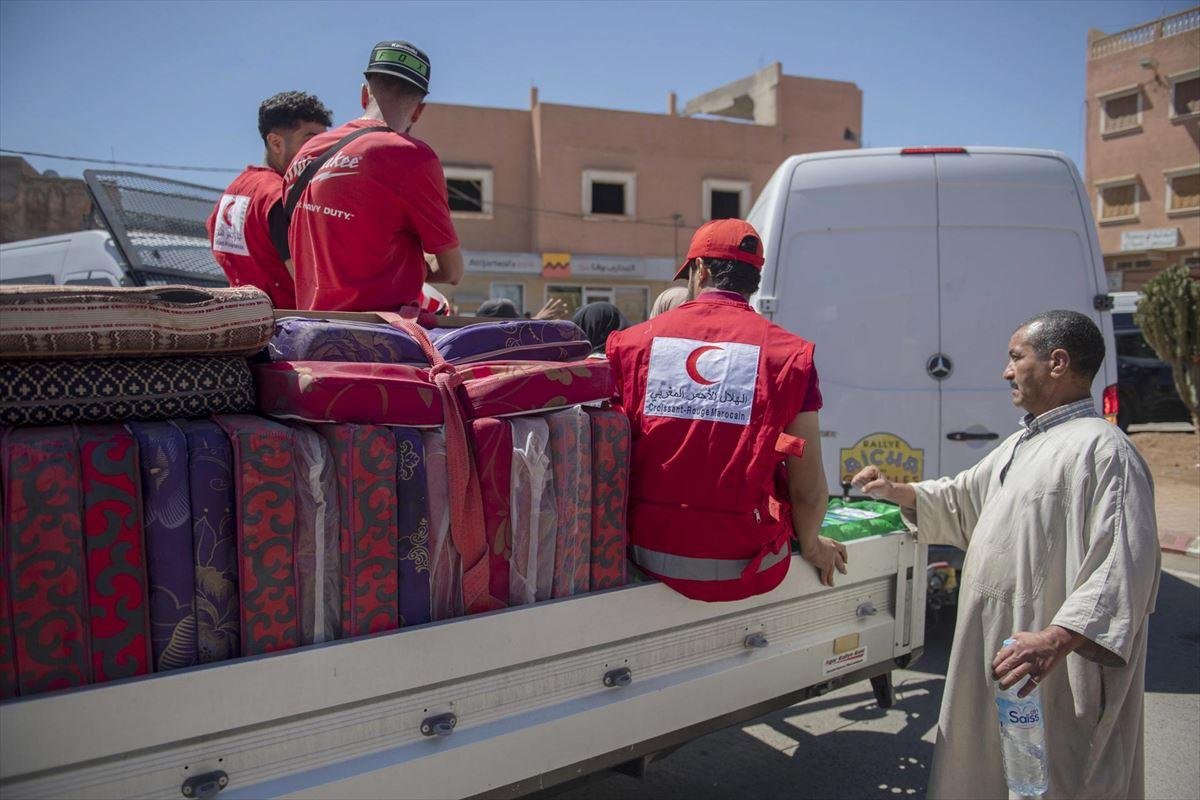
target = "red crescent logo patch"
x: 225, y: 213
x: 690, y: 365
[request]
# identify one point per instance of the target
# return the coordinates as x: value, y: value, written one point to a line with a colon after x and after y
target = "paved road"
x: 842, y: 745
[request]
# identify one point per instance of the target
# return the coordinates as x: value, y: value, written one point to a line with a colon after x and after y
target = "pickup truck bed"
x: 526, y: 687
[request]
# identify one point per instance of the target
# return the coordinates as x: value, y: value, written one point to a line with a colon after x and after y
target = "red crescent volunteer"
x: 249, y: 215
x: 378, y: 201
x: 717, y: 397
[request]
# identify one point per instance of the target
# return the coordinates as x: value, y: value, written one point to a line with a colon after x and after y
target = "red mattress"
x: 364, y: 457
x: 610, y: 495
x: 116, y: 556
x: 8, y: 664
x: 445, y: 566
x: 44, y: 555
x: 266, y: 522
x: 331, y: 391
x: 402, y: 394
x: 493, y: 460
x: 534, y: 512
x: 504, y: 388
x: 571, y: 463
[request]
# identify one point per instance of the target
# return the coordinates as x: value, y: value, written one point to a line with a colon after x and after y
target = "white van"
x: 87, y: 258
x: 909, y: 269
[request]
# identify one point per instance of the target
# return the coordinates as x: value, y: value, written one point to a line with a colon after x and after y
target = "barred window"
x: 1118, y: 201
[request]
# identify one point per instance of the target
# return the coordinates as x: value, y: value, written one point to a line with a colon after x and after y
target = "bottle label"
x: 1024, y: 714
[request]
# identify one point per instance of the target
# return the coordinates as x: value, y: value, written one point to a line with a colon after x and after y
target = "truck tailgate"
x: 526, y: 687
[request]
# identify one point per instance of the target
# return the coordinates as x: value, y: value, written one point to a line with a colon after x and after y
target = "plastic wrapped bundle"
x: 859, y: 519
x: 445, y: 566
x: 318, y: 546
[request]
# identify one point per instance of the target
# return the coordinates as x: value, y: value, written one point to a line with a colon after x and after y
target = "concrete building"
x: 593, y: 204
x: 1143, y: 147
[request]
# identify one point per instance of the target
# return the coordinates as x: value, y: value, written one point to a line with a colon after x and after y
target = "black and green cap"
x: 403, y: 60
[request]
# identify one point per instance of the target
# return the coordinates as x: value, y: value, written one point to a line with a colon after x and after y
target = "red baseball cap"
x: 730, y: 239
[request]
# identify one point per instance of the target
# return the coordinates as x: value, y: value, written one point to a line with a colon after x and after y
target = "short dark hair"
x: 288, y: 109
x: 1070, y: 331
x: 732, y: 276
x: 394, y: 88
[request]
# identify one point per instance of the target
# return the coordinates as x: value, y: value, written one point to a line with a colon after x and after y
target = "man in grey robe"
x: 1062, y: 554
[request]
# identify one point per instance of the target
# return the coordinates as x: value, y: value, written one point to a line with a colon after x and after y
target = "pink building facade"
x: 594, y: 204
x: 1143, y: 147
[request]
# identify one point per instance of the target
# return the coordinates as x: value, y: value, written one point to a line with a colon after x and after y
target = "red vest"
x: 708, y: 389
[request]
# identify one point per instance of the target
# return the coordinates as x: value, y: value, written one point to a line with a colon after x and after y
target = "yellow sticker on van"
x: 896, y: 459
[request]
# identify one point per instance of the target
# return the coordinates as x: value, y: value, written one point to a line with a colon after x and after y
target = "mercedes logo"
x: 939, y: 366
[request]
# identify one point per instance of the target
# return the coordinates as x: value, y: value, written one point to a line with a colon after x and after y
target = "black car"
x: 1144, y: 385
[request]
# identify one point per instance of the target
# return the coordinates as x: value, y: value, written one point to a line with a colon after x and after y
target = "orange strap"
x: 466, y: 501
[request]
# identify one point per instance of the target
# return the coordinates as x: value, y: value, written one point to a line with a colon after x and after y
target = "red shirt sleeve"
x: 812, y: 398
x: 798, y: 382
x: 429, y: 208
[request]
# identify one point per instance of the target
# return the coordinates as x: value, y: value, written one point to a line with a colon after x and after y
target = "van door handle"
x: 969, y: 436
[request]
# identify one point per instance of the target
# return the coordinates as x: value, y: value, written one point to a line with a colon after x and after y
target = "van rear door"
x: 1012, y: 242
x: 851, y: 266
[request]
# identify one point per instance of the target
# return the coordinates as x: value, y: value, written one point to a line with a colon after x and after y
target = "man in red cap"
x: 368, y: 200
x: 248, y: 219
x: 718, y: 398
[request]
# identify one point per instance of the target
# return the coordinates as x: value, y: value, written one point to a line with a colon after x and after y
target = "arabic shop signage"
x: 505, y: 263
x: 568, y: 265
x: 1154, y: 239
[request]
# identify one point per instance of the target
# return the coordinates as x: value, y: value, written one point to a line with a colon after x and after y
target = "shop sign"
x: 556, y: 265
x: 608, y: 267
x: 899, y: 461
x: 1154, y: 239
x: 504, y: 263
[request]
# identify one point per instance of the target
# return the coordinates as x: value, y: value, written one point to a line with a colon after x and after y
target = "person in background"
x: 718, y: 399
x: 599, y: 321
x: 670, y: 298
x: 364, y: 220
x: 251, y: 208
x: 499, y: 308
x: 504, y: 308
x: 1062, y: 555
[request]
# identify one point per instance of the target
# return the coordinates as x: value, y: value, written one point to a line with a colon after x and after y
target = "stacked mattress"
x: 142, y: 538
x: 526, y: 472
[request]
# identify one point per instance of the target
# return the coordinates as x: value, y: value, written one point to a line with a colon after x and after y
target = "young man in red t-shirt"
x: 362, y: 225
x: 241, y: 226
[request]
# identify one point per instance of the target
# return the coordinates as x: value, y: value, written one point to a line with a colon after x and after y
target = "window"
x: 1183, y: 191
x: 1121, y: 112
x: 511, y: 291
x: 1185, y: 95
x: 724, y: 199
x: 633, y: 302
x: 470, y: 192
x: 1131, y: 344
x: 610, y: 194
x: 576, y: 296
x: 1117, y: 201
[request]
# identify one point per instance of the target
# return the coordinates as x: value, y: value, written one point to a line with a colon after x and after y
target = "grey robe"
x: 1069, y: 539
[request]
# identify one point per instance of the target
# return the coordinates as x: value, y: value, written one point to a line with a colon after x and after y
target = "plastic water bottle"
x: 1023, y: 737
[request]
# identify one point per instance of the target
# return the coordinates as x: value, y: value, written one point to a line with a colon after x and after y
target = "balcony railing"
x: 1145, y: 34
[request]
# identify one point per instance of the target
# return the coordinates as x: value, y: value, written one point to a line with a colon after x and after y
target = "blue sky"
x: 180, y: 82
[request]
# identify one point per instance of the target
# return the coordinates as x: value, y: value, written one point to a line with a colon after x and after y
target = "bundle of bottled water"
x: 1023, y: 736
